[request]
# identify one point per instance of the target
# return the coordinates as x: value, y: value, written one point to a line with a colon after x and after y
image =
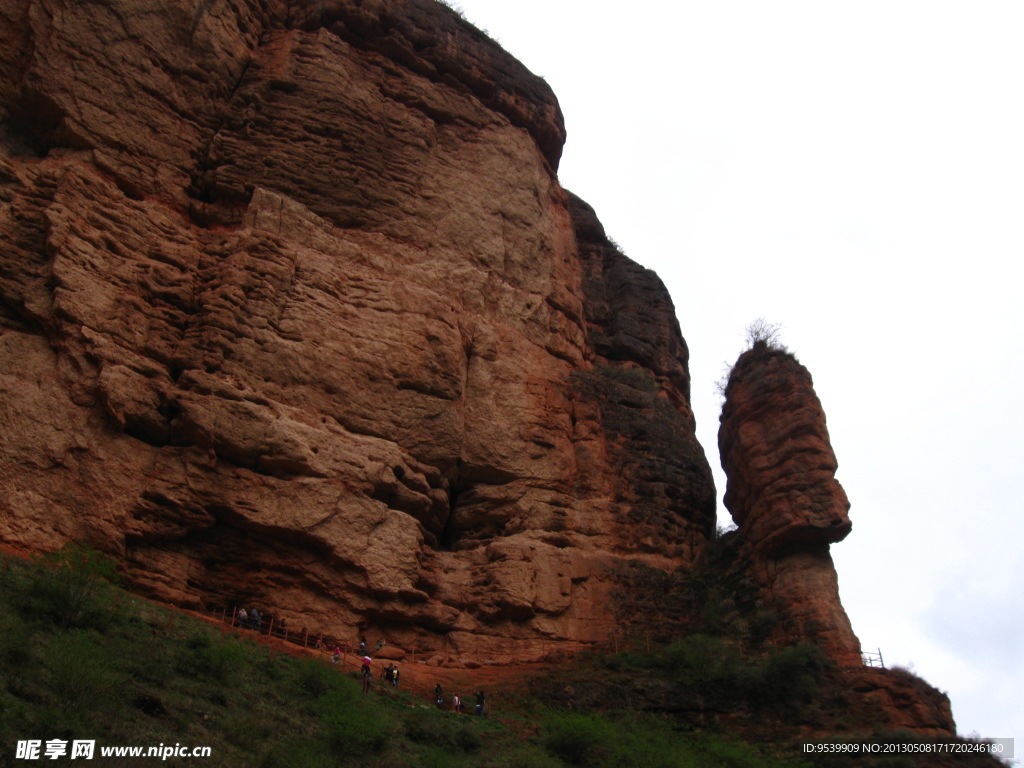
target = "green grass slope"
x: 82, y: 659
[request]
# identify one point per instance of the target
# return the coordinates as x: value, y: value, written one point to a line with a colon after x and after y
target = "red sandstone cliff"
x: 294, y: 311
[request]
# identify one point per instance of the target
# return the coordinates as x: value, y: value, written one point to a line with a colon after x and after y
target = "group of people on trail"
x: 390, y: 674
x: 362, y: 644
x: 457, y: 703
x: 251, y: 619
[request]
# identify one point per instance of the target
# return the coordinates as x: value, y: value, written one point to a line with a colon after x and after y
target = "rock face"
x: 783, y: 494
x: 901, y: 700
x: 294, y: 312
x: 789, y: 508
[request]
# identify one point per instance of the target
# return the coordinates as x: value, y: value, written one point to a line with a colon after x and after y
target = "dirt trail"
x: 416, y: 676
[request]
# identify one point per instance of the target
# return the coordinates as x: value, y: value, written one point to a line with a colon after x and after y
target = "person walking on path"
x: 367, y: 674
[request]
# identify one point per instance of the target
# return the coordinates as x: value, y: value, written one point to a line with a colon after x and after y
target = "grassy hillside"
x: 81, y: 659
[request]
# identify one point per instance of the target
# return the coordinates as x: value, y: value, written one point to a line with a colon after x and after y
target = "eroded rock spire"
x: 783, y: 494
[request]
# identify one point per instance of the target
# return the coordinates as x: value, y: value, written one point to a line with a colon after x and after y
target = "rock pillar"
x: 783, y: 495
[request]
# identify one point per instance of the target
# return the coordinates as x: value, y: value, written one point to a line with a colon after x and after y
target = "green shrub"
x: 637, y: 378
x: 642, y: 743
x: 353, y: 724
x: 198, y: 641
x: 316, y: 677
x: 706, y: 666
x: 421, y: 727
x: 426, y: 726
x: 67, y: 586
x: 201, y: 657
x: 761, y: 623
x: 80, y: 672
x: 714, y: 750
x: 15, y: 652
x: 787, y: 675
x: 577, y: 739
x: 467, y: 739
x: 298, y: 753
x: 437, y: 757
x: 719, y: 674
x: 531, y: 756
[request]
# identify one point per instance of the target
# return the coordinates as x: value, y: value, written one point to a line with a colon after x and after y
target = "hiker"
x: 439, y: 695
x: 394, y: 677
x: 389, y: 673
x: 282, y: 628
x: 256, y: 620
x: 367, y: 674
x: 479, y: 703
x: 456, y: 703
x: 380, y: 644
x: 337, y: 654
x: 362, y: 646
x: 243, y: 618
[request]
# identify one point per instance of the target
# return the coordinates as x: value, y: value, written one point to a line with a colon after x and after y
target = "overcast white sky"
x: 854, y: 172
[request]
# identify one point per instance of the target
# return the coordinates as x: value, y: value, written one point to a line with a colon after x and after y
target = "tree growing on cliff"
x: 762, y: 333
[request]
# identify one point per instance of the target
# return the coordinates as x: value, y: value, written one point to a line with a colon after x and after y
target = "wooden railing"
x: 507, y: 650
